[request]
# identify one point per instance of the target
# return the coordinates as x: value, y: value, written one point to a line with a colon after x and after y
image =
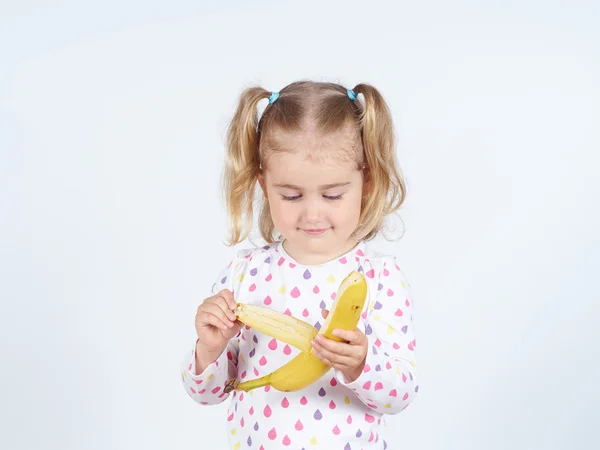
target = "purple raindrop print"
x: 307, y: 274
x: 256, y: 426
x: 379, y: 286
x: 268, y: 260
x: 322, y: 392
x: 249, y: 441
x: 318, y: 415
x: 377, y: 305
x: 404, y: 329
x: 254, y: 271
x: 369, y: 330
x: 318, y: 326
x: 359, y: 433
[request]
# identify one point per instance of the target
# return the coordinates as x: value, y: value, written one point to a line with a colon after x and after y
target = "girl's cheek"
x: 285, y: 212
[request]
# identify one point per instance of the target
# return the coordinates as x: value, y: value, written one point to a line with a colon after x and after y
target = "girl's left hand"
x: 348, y: 357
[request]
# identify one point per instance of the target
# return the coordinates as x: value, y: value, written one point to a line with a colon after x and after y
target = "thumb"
x: 324, y: 313
x: 231, y: 332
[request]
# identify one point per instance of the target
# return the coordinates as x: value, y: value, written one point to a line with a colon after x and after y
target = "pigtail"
x: 242, y: 164
x: 383, y: 177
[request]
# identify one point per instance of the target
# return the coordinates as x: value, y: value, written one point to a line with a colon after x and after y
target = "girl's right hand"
x: 216, y: 324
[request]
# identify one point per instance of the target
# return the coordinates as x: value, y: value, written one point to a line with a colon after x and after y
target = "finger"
x: 339, y: 348
x: 216, y: 310
x: 222, y: 303
x: 324, y: 313
x: 331, y: 358
x: 207, y: 318
x: 342, y: 367
x: 353, y: 337
x: 228, y: 297
x: 332, y: 355
x: 231, y: 332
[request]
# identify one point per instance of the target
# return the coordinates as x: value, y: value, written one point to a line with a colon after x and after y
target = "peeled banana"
x: 305, y: 368
x: 297, y: 333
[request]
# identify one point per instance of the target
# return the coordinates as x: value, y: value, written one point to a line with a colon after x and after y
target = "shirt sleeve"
x: 206, y: 388
x: 388, y: 383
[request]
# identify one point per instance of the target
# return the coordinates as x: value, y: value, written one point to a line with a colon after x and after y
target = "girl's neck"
x: 314, y: 259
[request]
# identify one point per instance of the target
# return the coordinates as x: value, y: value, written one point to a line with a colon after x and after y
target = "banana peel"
x: 304, y: 369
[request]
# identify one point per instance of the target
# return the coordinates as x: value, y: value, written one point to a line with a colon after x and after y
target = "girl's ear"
x: 261, y: 181
x: 366, y: 188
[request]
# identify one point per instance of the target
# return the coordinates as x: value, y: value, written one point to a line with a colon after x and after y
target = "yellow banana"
x: 306, y: 368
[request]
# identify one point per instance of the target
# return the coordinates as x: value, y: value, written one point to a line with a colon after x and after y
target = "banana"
x: 277, y: 325
x: 306, y: 368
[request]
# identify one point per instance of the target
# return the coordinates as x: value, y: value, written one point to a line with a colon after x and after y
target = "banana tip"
x: 230, y: 386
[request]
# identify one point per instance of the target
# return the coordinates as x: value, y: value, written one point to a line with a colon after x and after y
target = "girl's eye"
x: 293, y: 198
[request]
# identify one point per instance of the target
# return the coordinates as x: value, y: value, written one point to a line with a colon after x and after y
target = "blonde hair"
x: 328, y: 107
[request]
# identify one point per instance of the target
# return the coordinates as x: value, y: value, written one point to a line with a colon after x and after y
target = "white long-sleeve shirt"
x: 332, y: 413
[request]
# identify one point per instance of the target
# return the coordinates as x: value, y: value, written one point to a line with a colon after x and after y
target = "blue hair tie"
x: 274, y: 96
x: 352, y: 94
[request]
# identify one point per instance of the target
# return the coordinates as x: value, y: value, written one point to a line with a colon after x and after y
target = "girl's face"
x: 314, y: 201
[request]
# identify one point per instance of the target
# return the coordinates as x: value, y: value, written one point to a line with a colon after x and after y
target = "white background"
x: 112, y: 125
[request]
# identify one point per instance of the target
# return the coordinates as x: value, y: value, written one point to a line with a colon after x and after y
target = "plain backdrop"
x: 112, y: 123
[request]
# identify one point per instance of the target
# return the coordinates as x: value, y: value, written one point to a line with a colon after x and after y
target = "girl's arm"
x: 205, y: 384
x: 388, y: 382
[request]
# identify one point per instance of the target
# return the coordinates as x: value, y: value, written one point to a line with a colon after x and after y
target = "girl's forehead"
x: 312, y: 160
x: 331, y: 148
x: 301, y: 170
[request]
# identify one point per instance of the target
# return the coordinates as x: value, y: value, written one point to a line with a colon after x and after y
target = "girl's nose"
x: 312, y: 211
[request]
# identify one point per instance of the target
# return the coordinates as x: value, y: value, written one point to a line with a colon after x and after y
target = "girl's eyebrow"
x: 325, y: 186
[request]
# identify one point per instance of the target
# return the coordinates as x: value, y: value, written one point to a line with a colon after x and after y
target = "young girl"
x: 327, y: 174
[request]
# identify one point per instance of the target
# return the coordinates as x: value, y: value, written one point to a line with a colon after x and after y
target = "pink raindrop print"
x: 267, y: 411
